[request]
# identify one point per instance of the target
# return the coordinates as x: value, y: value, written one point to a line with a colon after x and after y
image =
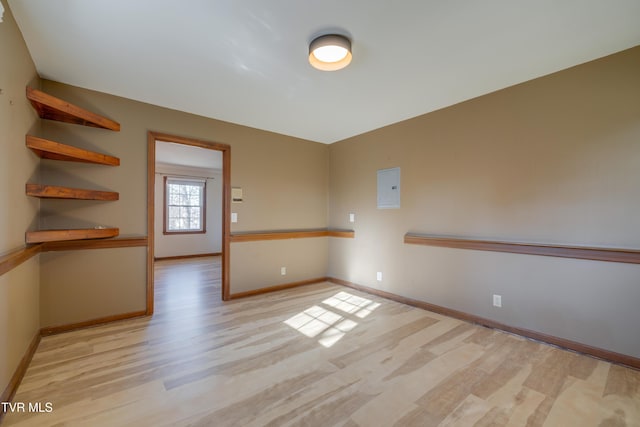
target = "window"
x: 184, y: 205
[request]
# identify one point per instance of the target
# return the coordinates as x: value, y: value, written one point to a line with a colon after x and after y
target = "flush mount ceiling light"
x: 330, y: 52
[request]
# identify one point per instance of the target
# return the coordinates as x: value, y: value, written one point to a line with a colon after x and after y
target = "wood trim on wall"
x: 277, y: 288
x: 151, y: 190
x: 631, y: 256
x: 166, y: 258
x: 347, y: 234
x: 18, y: 374
x: 600, y: 353
x: 13, y: 259
x: 226, y: 222
x: 152, y: 137
x: 74, y: 245
x: 54, y: 330
x: 289, y: 234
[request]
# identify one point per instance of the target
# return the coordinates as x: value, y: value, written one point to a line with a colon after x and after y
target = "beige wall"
x: 284, y: 179
x: 260, y: 262
x: 19, y: 320
x: 553, y: 160
x: 91, y: 284
x: 19, y: 316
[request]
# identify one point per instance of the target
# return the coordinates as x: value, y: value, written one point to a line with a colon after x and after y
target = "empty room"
x: 363, y: 213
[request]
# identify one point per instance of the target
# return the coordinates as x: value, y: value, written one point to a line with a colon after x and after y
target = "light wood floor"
x: 319, y: 355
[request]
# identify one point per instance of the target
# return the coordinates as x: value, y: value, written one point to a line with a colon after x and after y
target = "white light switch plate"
x: 234, y: 217
x: 497, y: 300
x: 352, y: 217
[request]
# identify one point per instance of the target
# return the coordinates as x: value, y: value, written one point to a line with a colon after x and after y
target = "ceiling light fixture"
x: 330, y: 52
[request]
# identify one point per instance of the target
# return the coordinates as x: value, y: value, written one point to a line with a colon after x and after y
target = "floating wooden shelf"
x: 47, y: 149
x: 55, y: 192
x: 70, y: 234
x: 52, y: 108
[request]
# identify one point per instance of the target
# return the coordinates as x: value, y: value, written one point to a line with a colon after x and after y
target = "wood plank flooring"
x: 319, y: 355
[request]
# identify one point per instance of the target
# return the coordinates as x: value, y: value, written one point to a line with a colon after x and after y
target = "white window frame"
x: 200, y: 182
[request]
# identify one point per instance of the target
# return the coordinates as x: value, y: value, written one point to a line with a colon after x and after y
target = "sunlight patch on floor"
x: 328, y: 325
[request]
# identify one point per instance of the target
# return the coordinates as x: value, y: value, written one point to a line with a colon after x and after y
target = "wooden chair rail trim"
x: 74, y: 245
x: 289, y: 234
x: 13, y: 259
x: 600, y: 353
x: 631, y: 256
x: 347, y: 234
x: 51, y: 108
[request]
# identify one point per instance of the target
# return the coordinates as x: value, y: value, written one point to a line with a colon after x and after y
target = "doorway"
x: 152, y: 140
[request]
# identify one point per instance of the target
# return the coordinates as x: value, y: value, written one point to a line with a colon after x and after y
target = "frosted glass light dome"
x: 330, y: 52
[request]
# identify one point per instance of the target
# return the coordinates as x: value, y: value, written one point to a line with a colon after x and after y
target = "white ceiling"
x: 245, y: 61
x: 170, y: 153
